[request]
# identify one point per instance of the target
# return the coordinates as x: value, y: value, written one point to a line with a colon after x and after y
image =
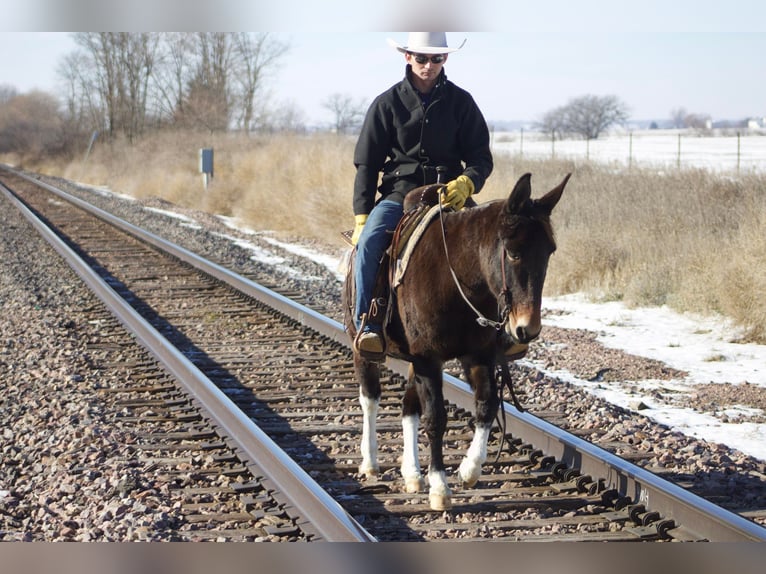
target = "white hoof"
x: 439, y: 502
x: 414, y: 484
x: 469, y: 473
x: 369, y: 470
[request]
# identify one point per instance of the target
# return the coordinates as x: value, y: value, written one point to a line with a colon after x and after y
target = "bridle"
x: 504, y: 309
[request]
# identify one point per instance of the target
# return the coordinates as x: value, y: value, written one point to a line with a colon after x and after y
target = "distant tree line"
x: 123, y: 83
x: 31, y: 123
x: 585, y: 116
x: 347, y: 112
x: 589, y: 116
x: 680, y: 119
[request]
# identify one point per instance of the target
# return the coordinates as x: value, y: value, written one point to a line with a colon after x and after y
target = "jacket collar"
x: 412, y: 96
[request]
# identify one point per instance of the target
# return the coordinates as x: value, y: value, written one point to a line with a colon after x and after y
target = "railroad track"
x: 258, y: 371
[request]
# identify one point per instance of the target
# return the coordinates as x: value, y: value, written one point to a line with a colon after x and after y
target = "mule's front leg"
x: 369, y: 466
x: 413, y: 478
x: 435, y: 422
x: 470, y: 467
x: 484, y: 384
x: 368, y: 375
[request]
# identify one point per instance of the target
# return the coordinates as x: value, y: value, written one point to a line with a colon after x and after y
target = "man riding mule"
x: 472, y: 286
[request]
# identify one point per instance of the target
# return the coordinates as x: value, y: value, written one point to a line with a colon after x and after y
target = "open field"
x: 692, y: 239
x: 658, y: 149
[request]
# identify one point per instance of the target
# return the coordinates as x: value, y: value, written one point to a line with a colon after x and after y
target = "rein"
x: 504, y: 313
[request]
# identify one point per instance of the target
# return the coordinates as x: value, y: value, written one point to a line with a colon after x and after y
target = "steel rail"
x: 326, y: 517
x: 696, y: 515
x: 643, y: 487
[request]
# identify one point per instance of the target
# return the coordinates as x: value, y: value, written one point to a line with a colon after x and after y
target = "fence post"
x: 521, y: 144
x: 678, y: 161
x: 630, y: 150
x: 553, y: 145
x: 738, y: 152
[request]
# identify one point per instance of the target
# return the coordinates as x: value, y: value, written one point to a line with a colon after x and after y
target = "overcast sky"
x: 706, y: 57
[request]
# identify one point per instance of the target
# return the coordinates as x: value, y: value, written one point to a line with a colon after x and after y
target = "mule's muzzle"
x: 523, y: 334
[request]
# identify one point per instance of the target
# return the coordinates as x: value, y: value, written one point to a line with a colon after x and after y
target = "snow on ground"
x: 701, y: 346
x: 186, y: 221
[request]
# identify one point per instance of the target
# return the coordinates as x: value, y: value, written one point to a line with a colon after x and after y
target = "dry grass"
x: 689, y: 239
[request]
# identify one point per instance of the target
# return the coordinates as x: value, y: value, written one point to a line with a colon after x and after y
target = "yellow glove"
x: 360, y: 220
x: 456, y: 192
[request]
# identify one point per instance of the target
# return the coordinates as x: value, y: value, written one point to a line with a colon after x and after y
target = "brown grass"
x: 690, y: 239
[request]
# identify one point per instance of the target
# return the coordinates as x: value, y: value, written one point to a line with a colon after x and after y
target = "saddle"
x: 420, y: 208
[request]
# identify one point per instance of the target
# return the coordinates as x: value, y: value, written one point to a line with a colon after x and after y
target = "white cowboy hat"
x: 426, y: 43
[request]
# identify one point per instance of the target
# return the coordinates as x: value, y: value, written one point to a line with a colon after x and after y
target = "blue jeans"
x: 373, y: 242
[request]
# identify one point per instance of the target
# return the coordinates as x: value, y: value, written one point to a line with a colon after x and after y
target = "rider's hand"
x: 360, y: 220
x: 456, y: 192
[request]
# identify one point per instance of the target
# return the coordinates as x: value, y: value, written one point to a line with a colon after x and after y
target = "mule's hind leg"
x: 484, y: 384
x: 368, y: 375
x: 410, y: 467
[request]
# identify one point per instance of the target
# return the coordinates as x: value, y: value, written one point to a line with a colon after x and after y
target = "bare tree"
x: 119, y: 82
x: 677, y: 117
x: 589, y: 116
x: 30, y: 125
x: 116, y: 71
x: 256, y: 55
x: 82, y: 112
x: 208, y: 101
x: 7, y: 93
x: 138, y: 52
x: 172, y: 73
x: 553, y: 123
x: 347, y: 113
x: 287, y: 117
x: 697, y: 121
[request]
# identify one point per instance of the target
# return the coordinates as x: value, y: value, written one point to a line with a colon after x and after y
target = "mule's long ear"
x: 519, y: 196
x: 550, y: 199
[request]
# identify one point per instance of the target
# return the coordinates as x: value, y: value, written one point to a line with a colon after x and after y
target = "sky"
x: 518, y: 62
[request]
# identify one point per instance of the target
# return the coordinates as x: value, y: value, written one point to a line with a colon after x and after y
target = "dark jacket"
x: 407, y: 141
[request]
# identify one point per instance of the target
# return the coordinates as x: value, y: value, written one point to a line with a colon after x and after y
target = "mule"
x: 480, y: 262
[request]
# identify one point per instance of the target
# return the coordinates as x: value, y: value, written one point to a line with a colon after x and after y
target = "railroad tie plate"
x: 617, y: 515
x: 644, y: 532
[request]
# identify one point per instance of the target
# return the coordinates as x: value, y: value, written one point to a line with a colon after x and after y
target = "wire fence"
x: 663, y: 149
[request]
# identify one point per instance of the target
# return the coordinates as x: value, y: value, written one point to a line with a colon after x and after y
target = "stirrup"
x: 369, y: 344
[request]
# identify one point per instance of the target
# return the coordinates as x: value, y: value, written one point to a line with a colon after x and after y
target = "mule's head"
x: 526, y: 236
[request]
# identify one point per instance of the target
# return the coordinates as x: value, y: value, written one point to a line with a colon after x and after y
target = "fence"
x: 651, y: 148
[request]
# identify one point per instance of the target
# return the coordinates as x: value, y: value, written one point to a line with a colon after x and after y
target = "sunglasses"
x: 422, y: 58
